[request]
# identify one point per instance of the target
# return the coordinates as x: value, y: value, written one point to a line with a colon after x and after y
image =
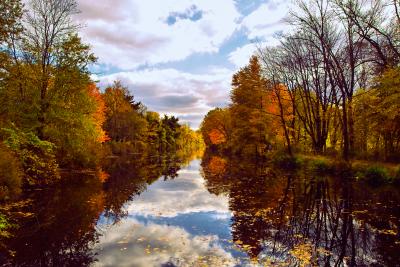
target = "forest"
x: 52, y: 115
x: 331, y: 87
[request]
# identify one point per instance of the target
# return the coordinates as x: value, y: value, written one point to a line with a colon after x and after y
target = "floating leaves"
x: 303, y: 253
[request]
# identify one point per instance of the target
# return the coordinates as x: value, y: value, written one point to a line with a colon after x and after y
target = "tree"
x: 47, y: 89
x: 378, y: 31
x: 124, y: 121
x: 378, y: 119
x: 216, y: 127
x: 249, y: 117
x: 49, y: 25
x: 10, y: 30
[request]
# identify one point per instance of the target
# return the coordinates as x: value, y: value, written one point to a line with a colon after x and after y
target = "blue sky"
x: 178, y: 56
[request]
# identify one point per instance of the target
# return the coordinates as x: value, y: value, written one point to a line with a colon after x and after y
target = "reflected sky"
x: 222, y: 212
x: 173, y: 223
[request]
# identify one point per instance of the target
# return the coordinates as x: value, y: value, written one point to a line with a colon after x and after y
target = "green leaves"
x: 37, y: 156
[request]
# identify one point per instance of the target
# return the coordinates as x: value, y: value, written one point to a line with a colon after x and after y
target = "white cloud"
x: 267, y: 20
x: 126, y: 34
x: 131, y: 243
x: 130, y: 33
x: 164, y: 198
x: 134, y: 242
x: 241, y: 56
x: 173, y: 92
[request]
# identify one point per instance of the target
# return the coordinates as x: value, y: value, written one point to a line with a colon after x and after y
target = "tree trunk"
x: 345, y: 131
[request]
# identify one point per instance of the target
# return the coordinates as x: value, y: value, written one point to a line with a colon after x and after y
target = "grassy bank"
x: 375, y: 173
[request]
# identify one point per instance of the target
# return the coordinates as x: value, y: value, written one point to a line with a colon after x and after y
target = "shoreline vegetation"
x: 53, y: 118
x: 310, y: 95
x: 328, y: 94
x: 374, y: 173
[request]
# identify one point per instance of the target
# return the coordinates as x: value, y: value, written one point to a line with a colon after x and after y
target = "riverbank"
x: 373, y: 172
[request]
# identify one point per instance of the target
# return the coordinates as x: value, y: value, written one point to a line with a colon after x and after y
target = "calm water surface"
x: 209, y: 212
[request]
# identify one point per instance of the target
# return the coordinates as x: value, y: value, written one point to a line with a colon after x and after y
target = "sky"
x: 178, y: 56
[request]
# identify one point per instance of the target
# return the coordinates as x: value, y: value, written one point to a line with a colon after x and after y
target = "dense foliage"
x: 330, y: 87
x: 52, y: 115
x: 131, y: 126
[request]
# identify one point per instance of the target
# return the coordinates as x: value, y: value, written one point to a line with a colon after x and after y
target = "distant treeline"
x: 52, y: 114
x: 332, y: 86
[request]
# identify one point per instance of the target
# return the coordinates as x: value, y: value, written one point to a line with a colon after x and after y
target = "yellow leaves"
x: 387, y: 232
x: 263, y: 212
x: 359, y: 212
x: 324, y: 251
x: 303, y: 253
x: 148, y: 249
x: 238, y: 242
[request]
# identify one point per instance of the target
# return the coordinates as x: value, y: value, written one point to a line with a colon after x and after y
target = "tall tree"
x: 248, y: 109
x: 48, y: 25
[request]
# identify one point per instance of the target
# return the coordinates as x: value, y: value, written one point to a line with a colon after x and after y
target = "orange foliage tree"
x: 216, y: 128
x: 99, y: 116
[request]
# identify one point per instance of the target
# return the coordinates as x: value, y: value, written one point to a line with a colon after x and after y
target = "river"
x: 204, y: 212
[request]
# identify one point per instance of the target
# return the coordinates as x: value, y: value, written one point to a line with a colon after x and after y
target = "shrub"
x: 37, y: 157
x: 286, y: 161
x: 10, y: 174
x: 5, y: 226
x: 376, y: 175
x: 320, y: 166
x: 396, y: 176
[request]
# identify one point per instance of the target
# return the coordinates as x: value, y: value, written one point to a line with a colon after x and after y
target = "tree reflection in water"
x: 278, y: 217
x: 301, y: 218
x: 58, y: 226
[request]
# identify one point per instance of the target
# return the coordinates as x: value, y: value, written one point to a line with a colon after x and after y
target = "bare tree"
x: 373, y: 22
x: 272, y: 69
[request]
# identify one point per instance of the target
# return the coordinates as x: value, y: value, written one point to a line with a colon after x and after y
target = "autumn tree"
x: 10, y: 30
x: 249, y: 117
x: 49, y: 26
x: 45, y: 86
x: 216, y: 127
x: 282, y: 94
x: 124, y: 122
x: 377, y: 112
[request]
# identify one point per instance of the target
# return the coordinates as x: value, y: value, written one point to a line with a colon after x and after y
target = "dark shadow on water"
x: 298, y: 217
x: 57, y: 226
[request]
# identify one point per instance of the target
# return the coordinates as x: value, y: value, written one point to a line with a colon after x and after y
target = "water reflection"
x: 299, y: 218
x: 179, y: 211
x: 173, y: 223
x: 56, y: 227
x: 60, y: 226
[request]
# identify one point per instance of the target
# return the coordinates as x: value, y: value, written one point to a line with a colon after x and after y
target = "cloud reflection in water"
x: 174, y: 223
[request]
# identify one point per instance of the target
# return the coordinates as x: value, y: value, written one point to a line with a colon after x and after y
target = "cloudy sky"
x: 178, y: 56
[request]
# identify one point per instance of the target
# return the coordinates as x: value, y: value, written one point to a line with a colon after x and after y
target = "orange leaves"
x: 99, y: 116
x: 217, y: 165
x: 216, y: 126
x: 216, y: 137
x: 279, y: 97
x: 103, y: 176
